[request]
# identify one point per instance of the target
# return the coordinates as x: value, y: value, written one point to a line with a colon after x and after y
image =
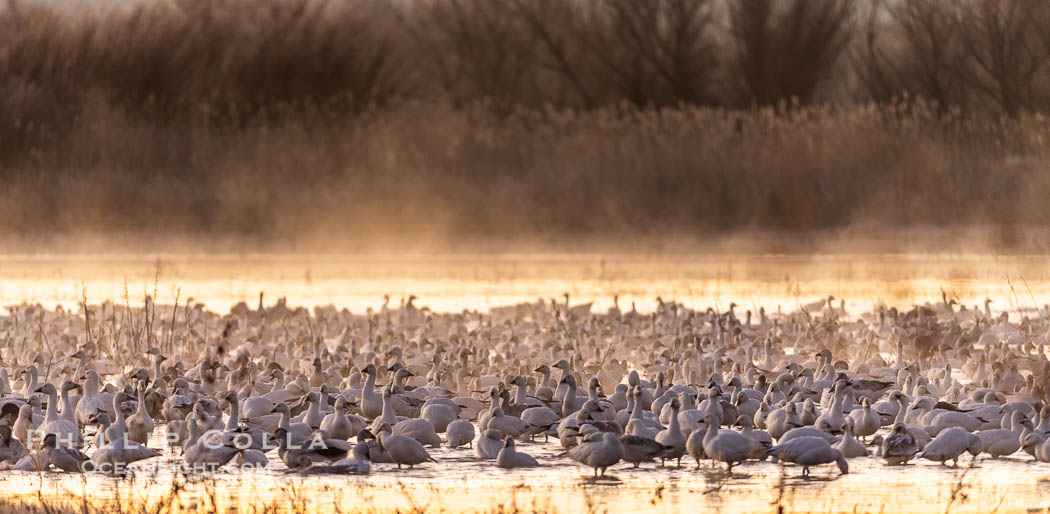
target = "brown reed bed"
x: 359, y: 125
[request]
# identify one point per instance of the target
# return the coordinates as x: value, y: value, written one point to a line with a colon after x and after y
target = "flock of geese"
x: 332, y: 392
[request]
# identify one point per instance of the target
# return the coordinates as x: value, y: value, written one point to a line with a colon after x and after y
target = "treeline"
x: 240, y: 58
x: 286, y: 119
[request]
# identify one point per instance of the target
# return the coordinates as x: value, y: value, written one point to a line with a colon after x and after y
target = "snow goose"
x: 510, y: 458
x: 256, y: 437
x: 809, y: 451
x: 507, y: 425
x: 762, y: 437
x: 358, y: 465
x: 726, y: 445
x: 1003, y: 442
x: 673, y: 437
x: 490, y: 444
x: 11, y: 449
x: 297, y: 432
x: 571, y: 402
x: 599, y: 451
x: 319, y: 447
x: 200, y: 455
x: 27, y: 424
x: 339, y: 425
x: 538, y: 420
x: 950, y: 444
x: 638, y: 449
x: 68, y: 433
x: 439, y: 415
x: 371, y: 401
x: 459, y: 433
x: 779, y: 421
x: 899, y: 446
x: 797, y: 432
x: 114, y: 457
x: 388, y: 416
x: 140, y: 424
x: 68, y: 405
x: 848, y: 446
x: 421, y: 430
x: 404, y: 450
x: 1038, y: 445
x: 63, y: 457
x: 832, y: 420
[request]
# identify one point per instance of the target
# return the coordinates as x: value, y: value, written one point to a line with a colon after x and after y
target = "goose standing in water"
x: 638, y: 449
x: 140, y: 424
x: 339, y: 425
x: 510, y: 458
x: 899, y: 446
x: 67, y: 432
x: 726, y: 445
x: 1002, y: 442
x: 865, y: 421
x: 809, y: 451
x: 673, y: 437
x: 404, y: 450
x: 207, y: 455
x: 848, y: 446
x: 695, y: 445
x: 950, y: 444
x: 63, y: 457
x: 371, y: 401
x: 599, y: 451
x: 459, y: 433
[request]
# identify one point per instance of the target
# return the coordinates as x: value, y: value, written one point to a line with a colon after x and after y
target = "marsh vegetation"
x: 458, y: 124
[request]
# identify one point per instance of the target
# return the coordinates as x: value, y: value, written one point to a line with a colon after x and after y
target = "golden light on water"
x: 454, y: 282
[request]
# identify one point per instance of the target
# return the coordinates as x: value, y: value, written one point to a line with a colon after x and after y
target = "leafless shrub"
x: 916, y: 51
x: 1005, y: 50
x: 786, y: 49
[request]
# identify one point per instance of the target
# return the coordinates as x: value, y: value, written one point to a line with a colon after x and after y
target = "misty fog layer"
x: 360, y: 125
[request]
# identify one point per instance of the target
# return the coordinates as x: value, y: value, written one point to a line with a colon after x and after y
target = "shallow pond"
x: 450, y: 283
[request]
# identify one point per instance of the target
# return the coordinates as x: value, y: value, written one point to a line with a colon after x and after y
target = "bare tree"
x: 787, y: 48
x: 480, y: 52
x: 648, y: 52
x: 920, y: 54
x: 1004, y: 50
x: 658, y: 51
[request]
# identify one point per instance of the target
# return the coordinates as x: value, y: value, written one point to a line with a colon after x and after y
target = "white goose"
x: 950, y: 444
x: 510, y: 458
x: 809, y: 451
x: 68, y: 432
x: 459, y: 433
x: 600, y: 450
x: 140, y: 424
